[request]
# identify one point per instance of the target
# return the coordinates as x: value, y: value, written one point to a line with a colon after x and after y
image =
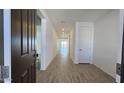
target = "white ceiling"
x: 66, y: 18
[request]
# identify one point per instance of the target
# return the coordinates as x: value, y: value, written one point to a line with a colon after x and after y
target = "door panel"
x: 23, y: 38
x: 85, y: 41
x: 24, y: 32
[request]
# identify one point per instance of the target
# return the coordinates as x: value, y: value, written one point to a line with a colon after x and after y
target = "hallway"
x: 63, y: 45
x: 63, y: 70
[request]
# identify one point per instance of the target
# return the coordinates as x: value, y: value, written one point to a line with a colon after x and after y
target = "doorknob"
x: 80, y: 49
x: 36, y: 55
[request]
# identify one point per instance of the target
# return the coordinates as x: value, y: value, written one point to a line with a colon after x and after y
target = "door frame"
x: 40, y: 13
x: 7, y: 41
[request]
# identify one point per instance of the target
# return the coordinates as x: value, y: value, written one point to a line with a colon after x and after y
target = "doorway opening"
x: 64, y: 45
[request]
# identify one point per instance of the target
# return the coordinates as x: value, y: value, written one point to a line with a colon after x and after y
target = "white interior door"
x: 85, y: 31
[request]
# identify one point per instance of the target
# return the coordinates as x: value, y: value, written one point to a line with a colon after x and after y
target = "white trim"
x: 120, y: 40
x: 7, y: 41
x: 118, y: 78
x: 43, y: 40
x: 92, y: 42
x: 76, y: 44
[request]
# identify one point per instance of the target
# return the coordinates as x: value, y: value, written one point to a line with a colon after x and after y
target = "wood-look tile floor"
x: 63, y: 70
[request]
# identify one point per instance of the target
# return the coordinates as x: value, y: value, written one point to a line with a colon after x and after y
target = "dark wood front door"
x: 1, y: 38
x: 23, y: 46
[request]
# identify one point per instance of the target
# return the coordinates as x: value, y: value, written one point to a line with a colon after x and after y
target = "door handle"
x: 36, y: 55
x: 80, y: 49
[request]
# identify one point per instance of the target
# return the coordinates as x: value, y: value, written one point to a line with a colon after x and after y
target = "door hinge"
x: 4, y: 72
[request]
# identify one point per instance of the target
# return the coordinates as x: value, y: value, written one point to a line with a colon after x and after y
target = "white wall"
x: 106, y: 42
x: 58, y: 44
x: 49, y: 41
x: 51, y: 44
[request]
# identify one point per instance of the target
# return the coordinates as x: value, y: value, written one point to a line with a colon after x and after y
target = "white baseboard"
x: 75, y: 62
x: 46, y: 66
x: 42, y: 68
x: 117, y: 78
